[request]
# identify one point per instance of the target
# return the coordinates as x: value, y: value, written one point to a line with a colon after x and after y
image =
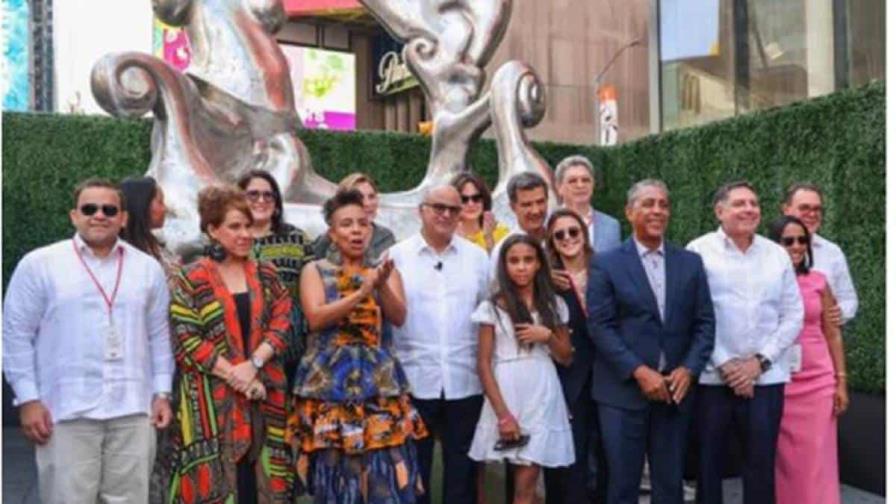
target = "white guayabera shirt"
x: 53, y: 332
x: 437, y: 343
x: 757, y: 302
x: 830, y: 260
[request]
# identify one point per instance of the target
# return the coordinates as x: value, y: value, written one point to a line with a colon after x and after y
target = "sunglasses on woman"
x: 789, y: 240
x: 255, y: 195
x: 561, y: 234
x: 89, y: 209
x: 473, y: 198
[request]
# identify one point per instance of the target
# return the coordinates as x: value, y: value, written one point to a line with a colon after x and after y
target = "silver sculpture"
x: 233, y: 110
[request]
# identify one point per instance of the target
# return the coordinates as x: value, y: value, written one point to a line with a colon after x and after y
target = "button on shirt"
x: 54, y: 338
x: 654, y: 263
x: 757, y: 302
x: 438, y: 342
x: 830, y: 260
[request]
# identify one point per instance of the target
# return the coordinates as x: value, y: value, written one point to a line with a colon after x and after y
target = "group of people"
x: 276, y: 366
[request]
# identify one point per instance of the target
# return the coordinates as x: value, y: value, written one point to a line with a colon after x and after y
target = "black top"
x: 243, y: 311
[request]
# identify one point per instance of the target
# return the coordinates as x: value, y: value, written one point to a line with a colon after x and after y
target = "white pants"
x: 90, y: 461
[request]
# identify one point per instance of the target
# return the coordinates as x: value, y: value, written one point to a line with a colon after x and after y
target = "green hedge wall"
x: 836, y: 141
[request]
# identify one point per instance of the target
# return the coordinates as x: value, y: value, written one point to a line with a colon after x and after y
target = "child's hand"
x: 532, y: 333
x: 508, y: 428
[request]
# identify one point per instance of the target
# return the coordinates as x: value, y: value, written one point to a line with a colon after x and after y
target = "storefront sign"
x: 393, y: 75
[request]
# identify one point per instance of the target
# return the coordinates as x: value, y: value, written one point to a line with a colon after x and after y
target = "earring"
x: 216, y: 251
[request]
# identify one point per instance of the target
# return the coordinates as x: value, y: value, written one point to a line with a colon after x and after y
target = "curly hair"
x: 216, y: 200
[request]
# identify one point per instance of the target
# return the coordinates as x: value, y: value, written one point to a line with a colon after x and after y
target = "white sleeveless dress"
x: 531, y: 389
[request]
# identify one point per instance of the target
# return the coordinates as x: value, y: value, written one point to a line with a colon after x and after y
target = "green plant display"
x: 837, y: 141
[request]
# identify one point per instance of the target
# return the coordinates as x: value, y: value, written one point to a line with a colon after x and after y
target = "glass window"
x: 696, y: 61
x: 867, y: 41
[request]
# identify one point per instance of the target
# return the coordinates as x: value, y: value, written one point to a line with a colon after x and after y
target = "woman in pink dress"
x: 806, y: 465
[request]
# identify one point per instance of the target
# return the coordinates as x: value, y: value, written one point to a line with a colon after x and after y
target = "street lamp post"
x: 597, y: 81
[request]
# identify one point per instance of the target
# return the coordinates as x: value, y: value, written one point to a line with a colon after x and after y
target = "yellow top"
x: 478, y: 237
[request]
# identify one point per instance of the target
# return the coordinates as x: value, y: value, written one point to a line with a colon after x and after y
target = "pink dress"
x: 806, y: 465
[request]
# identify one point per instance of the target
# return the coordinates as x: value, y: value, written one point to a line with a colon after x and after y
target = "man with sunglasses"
x: 651, y: 319
x: 759, y: 314
x: 86, y: 349
x: 805, y: 201
x: 445, y: 277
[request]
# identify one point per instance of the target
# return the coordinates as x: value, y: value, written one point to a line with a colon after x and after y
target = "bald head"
x: 439, y: 213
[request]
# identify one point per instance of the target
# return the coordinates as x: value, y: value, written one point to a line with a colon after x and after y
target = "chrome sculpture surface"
x: 233, y: 109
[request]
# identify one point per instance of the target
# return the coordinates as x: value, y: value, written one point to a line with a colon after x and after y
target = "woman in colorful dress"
x: 353, y: 426
x: 283, y: 244
x: 806, y: 463
x: 229, y: 318
x: 381, y: 237
x: 477, y: 223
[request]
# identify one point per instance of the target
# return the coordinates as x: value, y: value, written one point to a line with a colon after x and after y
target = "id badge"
x: 796, y: 358
x: 113, y: 344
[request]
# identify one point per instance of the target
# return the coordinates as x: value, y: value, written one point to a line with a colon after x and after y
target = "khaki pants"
x: 89, y: 461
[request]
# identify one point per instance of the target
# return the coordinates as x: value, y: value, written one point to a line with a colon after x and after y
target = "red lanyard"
x: 109, y: 300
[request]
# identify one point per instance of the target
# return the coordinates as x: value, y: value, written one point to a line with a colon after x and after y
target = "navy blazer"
x: 625, y: 325
x: 575, y: 378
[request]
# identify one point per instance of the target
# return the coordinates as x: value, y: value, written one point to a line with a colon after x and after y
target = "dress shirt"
x: 654, y: 263
x: 438, y: 342
x: 757, y: 301
x: 53, y: 332
x: 830, y: 260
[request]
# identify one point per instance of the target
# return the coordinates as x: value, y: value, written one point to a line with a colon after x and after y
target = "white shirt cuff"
x: 25, y: 391
x: 161, y: 384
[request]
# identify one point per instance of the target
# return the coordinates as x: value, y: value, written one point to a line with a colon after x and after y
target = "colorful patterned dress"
x: 218, y: 426
x: 353, y: 414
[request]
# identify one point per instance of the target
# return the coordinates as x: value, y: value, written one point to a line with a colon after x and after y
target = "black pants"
x: 574, y: 484
x: 455, y: 422
x: 755, y: 422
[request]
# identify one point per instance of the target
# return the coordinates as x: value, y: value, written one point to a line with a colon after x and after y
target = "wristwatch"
x: 764, y: 363
x: 257, y: 362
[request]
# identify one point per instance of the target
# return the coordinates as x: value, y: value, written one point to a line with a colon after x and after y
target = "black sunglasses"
x: 788, y: 240
x: 473, y: 198
x: 561, y: 234
x: 255, y: 195
x: 88, y: 209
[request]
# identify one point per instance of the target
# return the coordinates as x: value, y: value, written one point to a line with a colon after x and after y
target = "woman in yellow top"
x: 477, y: 223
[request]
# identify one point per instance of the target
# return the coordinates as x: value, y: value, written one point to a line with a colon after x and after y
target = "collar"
x: 420, y: 246
x: 83, y: 247
x: 643, y: 251
x: 728, y: 243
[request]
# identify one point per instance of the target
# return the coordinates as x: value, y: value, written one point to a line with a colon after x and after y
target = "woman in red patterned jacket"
x: 229, y: 318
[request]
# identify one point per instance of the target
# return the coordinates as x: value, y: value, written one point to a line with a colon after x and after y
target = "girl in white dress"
x: 522, y: 328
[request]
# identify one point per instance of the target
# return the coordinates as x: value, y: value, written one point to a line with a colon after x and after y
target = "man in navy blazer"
x: 650, y: 316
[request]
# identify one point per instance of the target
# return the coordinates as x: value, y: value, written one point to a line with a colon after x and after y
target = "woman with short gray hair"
x: 575, y: 178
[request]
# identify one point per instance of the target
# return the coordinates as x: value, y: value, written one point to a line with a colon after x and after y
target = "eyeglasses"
x: 442, y: 209
x: 572, y: 232
x: 89, y: 209
x: 473, y: 198
x: 789, y: 240
x: 255, y: 195
x: 810, y: 209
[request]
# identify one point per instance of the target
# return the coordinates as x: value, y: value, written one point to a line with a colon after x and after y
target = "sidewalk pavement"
x: 20, y: 477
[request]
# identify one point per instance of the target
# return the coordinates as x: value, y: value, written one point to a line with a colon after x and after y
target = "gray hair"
x: 524, y: 182
x: 635, y: 190
x: 430, y: 190
x: 575, y: 160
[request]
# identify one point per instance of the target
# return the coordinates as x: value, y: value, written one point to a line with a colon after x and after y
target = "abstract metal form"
x: 233, y: 110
